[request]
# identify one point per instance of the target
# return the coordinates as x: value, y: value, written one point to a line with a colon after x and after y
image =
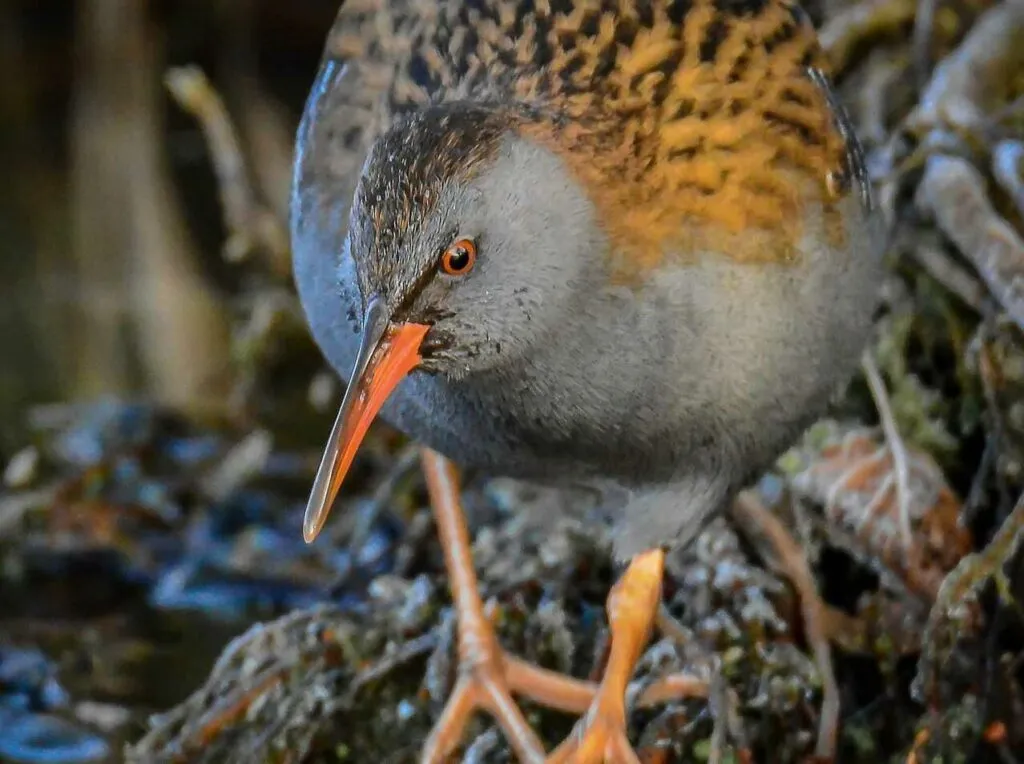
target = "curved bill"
x: 387, y: 353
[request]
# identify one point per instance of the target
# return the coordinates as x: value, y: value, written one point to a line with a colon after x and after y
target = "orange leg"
x: 488, y: 677
x: 600, y: 735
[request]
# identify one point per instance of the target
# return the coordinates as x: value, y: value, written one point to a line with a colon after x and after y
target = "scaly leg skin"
x: 488, y: 677
x: 600, y: 736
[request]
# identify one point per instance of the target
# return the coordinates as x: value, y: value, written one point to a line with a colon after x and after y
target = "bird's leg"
x: 600, y: 736
x: 488, y: 677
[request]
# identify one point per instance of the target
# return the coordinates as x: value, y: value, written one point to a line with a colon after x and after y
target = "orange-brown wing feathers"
x: 686, y: 120
x: 696, y: 124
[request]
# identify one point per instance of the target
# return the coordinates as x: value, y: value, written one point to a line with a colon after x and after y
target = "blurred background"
x: 135, y: 283
x: 112, y: 277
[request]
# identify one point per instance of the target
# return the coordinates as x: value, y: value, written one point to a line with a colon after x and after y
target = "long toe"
x: 482, y: 687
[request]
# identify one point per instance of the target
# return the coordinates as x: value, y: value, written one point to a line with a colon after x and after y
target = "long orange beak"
x: 387, y: 353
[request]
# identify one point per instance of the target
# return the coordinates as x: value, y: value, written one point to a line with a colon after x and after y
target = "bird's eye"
x: 459, y: 258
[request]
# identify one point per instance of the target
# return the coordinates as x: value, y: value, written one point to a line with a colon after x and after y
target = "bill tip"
x: 310, y: 529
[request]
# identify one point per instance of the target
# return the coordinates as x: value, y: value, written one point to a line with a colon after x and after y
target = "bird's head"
x: 470, y: 243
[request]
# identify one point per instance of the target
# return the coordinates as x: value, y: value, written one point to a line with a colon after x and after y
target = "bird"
x: 624, y: 245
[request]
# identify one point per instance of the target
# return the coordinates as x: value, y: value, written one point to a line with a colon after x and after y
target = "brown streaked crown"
x: 407, y: 170
x: 688, y: 121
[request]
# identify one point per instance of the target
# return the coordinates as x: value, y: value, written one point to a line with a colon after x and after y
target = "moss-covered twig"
x: 790, y: 558
x: 956, y: 607
x: 931, y: 254
x: 972, y: 81
x: 953, y: 191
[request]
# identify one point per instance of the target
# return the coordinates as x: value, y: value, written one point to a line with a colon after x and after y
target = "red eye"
x: 459, y: 258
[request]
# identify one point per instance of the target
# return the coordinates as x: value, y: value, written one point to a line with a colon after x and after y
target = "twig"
x: 1007, y: 112
x: 480, y: 750
x: 853, y: 474
x: 976, y: 493
x: 924, y: 25
x: 931, y: 256
x: 408, y: 651
x: 957, y: 600
x: 1008, y: 169
x: 895, y: 442
x: 668, y: 688
x: 971, y: 81
x: 263, y: 665
x: 882, y: 75
x: 250, y: 223
x: 244, y: 461
x: 230, y: 709
x: 954, y: 192
x: 671, y: 628
x: 724, y: 705
x: 750, y: 511
x: 853, y: 25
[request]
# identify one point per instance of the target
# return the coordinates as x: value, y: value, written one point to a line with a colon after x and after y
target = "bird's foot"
x: 486, y: 681
x: 489, y: 678
x: 600, y: 736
